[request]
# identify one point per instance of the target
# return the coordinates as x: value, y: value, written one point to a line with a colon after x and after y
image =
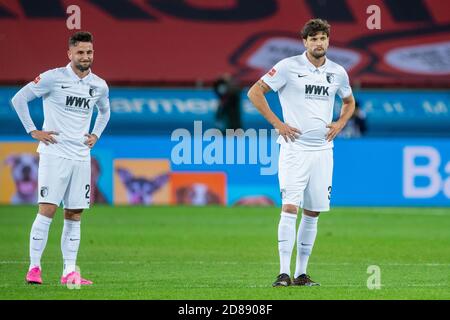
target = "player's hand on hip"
x: 91, y: 140
x: 287, y: 131
x: 44, y: 136
x: 335, y: 128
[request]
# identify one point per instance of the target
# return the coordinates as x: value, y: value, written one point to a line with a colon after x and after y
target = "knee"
x: 73, y: 214
x: 47, y: 209
x: 290, y: 208
x: 309, y: 213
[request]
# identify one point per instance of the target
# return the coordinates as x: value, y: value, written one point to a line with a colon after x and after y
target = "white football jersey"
x: 68, y: 106
x: 307, y: 96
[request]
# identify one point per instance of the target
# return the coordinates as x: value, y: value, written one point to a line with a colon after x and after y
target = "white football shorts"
x: 305, y: 177
x: 65, y: 180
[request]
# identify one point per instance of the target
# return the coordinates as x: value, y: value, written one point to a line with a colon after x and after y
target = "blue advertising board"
x: 138, y: 111
x: 392, y: 172
x: 367, y: 171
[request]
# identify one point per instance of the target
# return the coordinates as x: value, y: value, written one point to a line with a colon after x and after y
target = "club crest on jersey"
x: 44, y: 192
x: 272, y: 72
x: 330, y: 77
x: 91, y: 92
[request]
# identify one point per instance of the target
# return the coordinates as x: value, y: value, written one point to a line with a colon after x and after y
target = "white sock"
x: 38, y: 239
x: 306, y: 236
x: 286, y: 240
x: 70, y: 242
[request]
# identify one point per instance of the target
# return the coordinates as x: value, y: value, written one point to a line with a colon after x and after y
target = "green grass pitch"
x: 182, y: 253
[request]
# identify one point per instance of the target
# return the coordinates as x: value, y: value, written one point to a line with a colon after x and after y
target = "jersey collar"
x: 75, y: 77
x: 312, y: 67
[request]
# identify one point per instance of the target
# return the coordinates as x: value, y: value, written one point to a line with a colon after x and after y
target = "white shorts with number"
x: 65, y: 180
x: 305, y: 177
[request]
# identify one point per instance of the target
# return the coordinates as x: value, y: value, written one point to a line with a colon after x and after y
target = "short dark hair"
x: 313, y: 26
x: 80, y: 36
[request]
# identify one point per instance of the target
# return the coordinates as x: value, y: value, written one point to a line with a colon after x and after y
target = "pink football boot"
x: 34, y: 276
x: 75, y: 278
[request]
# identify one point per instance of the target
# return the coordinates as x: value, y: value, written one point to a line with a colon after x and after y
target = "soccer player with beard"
x: 69, y: 95
x: 307, y: 85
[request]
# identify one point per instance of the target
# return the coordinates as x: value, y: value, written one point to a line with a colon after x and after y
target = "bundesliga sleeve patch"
x: 272, y: 72
x: 37, y: 79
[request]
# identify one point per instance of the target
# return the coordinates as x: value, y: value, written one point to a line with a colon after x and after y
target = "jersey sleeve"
x: 104, y: 113
x: 276, y: 78
x: 103, y: 101
x: 42, y: 84
x: 344, y: 90
x: 20, y: 104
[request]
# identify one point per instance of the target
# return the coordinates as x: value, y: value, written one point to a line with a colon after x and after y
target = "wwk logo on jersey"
x: 311, y: 89
x: 77, y: 102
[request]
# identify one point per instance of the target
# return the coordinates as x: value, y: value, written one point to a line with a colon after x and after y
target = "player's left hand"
x: 91, y: 140
x: 335, y: 128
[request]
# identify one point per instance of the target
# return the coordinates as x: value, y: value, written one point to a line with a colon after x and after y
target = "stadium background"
x: 161, y: 58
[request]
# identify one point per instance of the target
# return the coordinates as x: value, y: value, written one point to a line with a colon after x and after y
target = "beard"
x: 318, y: 54
x: 82, y: 68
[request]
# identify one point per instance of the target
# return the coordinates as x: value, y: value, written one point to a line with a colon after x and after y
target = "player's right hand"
x: 287, y: 131
x: 44, y: 136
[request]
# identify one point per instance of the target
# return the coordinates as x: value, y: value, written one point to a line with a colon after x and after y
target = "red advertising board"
x: 194, y: 41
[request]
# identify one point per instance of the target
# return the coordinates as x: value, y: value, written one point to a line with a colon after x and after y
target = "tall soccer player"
x: 69, y: 95
x: 307, y: 85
